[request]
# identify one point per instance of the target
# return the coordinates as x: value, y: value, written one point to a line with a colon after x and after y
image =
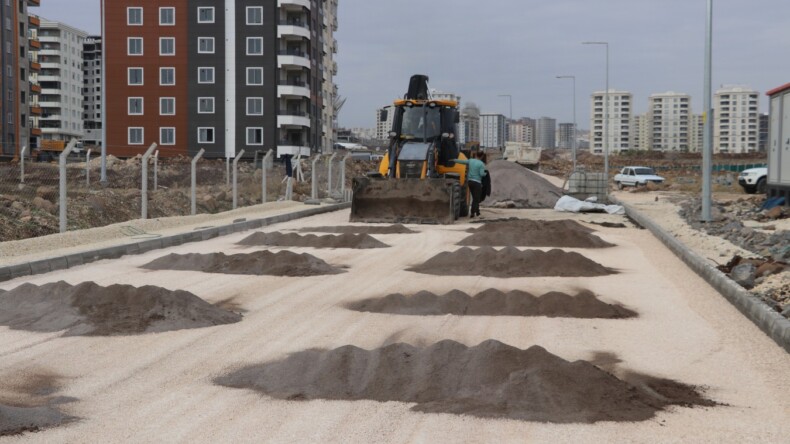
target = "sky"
x: 483, y: 49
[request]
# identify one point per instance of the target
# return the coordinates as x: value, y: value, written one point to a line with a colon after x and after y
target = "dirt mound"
x: 28, y: 403
x: 361, y: 229
x: 347, y: 240
x: 535, y: 233
x: 493, y: 302
x: 90, y: 309
x: 283, y: 263
x: 491, y: 380
x: 511, y: 182
x: 510, y: 262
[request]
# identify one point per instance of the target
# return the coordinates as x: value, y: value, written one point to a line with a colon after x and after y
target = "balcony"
x: 35, y: 66
x: 34, y: 21
x: 293, y: 150
x: 36, y: 132
x: 288, y: 119
x: 49, y: 38
x: 292, y: 59
x: 34, y: 2
x: 289, y: 90
x: 35, y: 44
x: 35, y: 88
x: 35, y: 110
x: 295, y: 5
x: 292, y: 30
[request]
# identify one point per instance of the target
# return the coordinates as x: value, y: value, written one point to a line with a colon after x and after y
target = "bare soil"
x: 363, y: 229
x: 283, y: 263
x: 511, y: 262
x: 534, y: 233
x: 90, y: 309
x: 347, y: 240
x: 490, y: 380
x: 29, y: 403
x: 494, y: 302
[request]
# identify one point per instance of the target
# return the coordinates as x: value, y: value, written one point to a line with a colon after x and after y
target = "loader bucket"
x: 414, y: 201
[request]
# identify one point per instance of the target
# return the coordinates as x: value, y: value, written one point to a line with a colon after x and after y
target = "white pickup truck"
x: 634, y: 176
x: 753, y: 180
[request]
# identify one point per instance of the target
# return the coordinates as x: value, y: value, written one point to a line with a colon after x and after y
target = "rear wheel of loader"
x: 464, y: 201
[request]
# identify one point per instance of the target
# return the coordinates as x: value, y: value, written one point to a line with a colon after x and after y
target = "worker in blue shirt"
x: 474, y: 177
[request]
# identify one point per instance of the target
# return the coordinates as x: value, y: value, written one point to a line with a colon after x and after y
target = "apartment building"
x: 469, y: 125
x: 221, y: 75
x: 640, y: 132
x: 736, y: 120
x: 19, y: 89
x: 519, y: 132
x: 546, y: 132
x: 619, y: 123
x: 492, y: 130
x: 697, y: 133
x: 669, y: 117
x: 91, y: 91
x: 565, y: 136
x: 384, y: 117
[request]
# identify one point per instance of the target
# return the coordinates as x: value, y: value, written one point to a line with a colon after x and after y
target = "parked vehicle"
x: 634, y: 176
x: 753, y: 180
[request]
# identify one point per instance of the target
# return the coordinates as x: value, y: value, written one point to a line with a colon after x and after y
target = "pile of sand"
x: 511, y: 182
x: 90, y: 309
x: 493, y: 302
x: 283, y: 263
x: 363, y: 229
x: 489, y: 380
x: 511, y: 262
x: 534, y: 233
x: 347, y: 240
x: 28, y: 403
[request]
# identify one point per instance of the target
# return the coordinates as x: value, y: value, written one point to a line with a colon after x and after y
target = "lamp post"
x: 510, y: 101
x: 605, y: 117
x: 574, y: 136
x: 707, y: 142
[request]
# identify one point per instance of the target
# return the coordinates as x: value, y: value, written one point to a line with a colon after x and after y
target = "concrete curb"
x: 73, y: 260
x: 776, y: 326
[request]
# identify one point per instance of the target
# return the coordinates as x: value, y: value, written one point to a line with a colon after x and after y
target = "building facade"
x: 736, y: 120
x: 519, y: 132
x: 91, y: 91
x: 384, y: 117
x: 669, y: 117
x: 697, y: 133
x: 469, y: 124
x: 221, y: 75
x: 640, y: 132
x: 565, y: 136
x: 619, y: 123
x: 492, y: 130
x: 545, y: 133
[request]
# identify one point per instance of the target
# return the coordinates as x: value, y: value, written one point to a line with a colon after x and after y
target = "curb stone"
x: 773, y: 324
x: 9, y: 272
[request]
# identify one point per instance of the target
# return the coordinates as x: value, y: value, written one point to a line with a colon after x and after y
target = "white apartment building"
x: 565, y: 135
x: 329, y: 120
x: 697, y: 133
x: 384, y: 123
x: 519, y: 132
x: 91, y: 91
x: 439, y: 95
x: 736, y: 120
x: 469, y: 125
x: 640, y: 132
x: 545, y: 133
x: 619, y: 125
x: 61, y: 81
x: 670, y: 122
x: 492, y: 130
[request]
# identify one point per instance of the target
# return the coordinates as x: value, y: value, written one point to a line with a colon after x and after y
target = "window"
x: 254, y: 76
x: 254, y: 136
x: 167, y: 106
x: 134, y: 16
x: 206, y: 15
x: 135, y: 106
x: 135, y: 76
x: 135, y: 46
x: 255, y: 15
x: 254, y: 45
x: 205, y: 135
x: 206, y: 45
x: 254, y: 106
x: 167, y: 136
x: 167, y: 76
x: 167, y: 16
x: 167, y: 46
x: 206, y: 75
x: 205, y: 105
x: 135, y: 136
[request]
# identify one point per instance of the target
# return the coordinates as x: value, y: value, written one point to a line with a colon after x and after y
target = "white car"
x: 753, y: 180
x: 634, y: 176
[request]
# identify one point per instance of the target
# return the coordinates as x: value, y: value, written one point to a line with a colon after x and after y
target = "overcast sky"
x: 481, y: 49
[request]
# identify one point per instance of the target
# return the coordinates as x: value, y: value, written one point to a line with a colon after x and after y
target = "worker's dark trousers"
x: 476, y: 189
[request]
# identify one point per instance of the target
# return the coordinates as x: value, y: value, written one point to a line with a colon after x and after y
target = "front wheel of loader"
x: 458, y: 200
x: 464, y: 201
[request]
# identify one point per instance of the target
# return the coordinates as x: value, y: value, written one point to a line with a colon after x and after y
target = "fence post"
x: 194, y: 180
x: 343, y: 174
x: 144, y: 188
x: 329, y: 184
x: 156, y: 170
x: 88, y: 168
x: 289, y: 188
x: 314, y: 194
x: 264, y: 167
x: 235, y: 178
x: 62, y: 171
x: 22, y: 165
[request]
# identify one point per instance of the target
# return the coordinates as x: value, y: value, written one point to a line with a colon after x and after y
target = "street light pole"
x: 707, y: 142
x: 510, y: 101
x: 605, y: 117
x: 575, y: 134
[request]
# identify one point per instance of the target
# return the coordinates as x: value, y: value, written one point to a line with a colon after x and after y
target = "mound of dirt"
x: 535, y: 233
x: 491, y: 380
x: 511, y: 262
x: 18, y: 420
x: 90, y: 309
x: 493, y: 302
x: 511, y: 182
x: 283, y: 263
x: 347, y: 240
x: 361, y: 229
x: 28, y: 402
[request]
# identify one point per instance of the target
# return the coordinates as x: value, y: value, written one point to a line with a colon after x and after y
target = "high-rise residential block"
x: 91, y: 91
x: 565, y: 136
x: 492, y: 130
x: 221, y: 75
x: 469, y: 124
x: 19, y: 106
x: 697, y: 133
x: 736, y: 120
x: 519, y: 132
x: 545, y: 133
x: 669, y: 117
x: 619, y: 123
x: 384, y: 118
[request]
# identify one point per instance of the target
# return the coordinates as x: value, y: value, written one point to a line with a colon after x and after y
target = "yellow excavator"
x: 417, y: 180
